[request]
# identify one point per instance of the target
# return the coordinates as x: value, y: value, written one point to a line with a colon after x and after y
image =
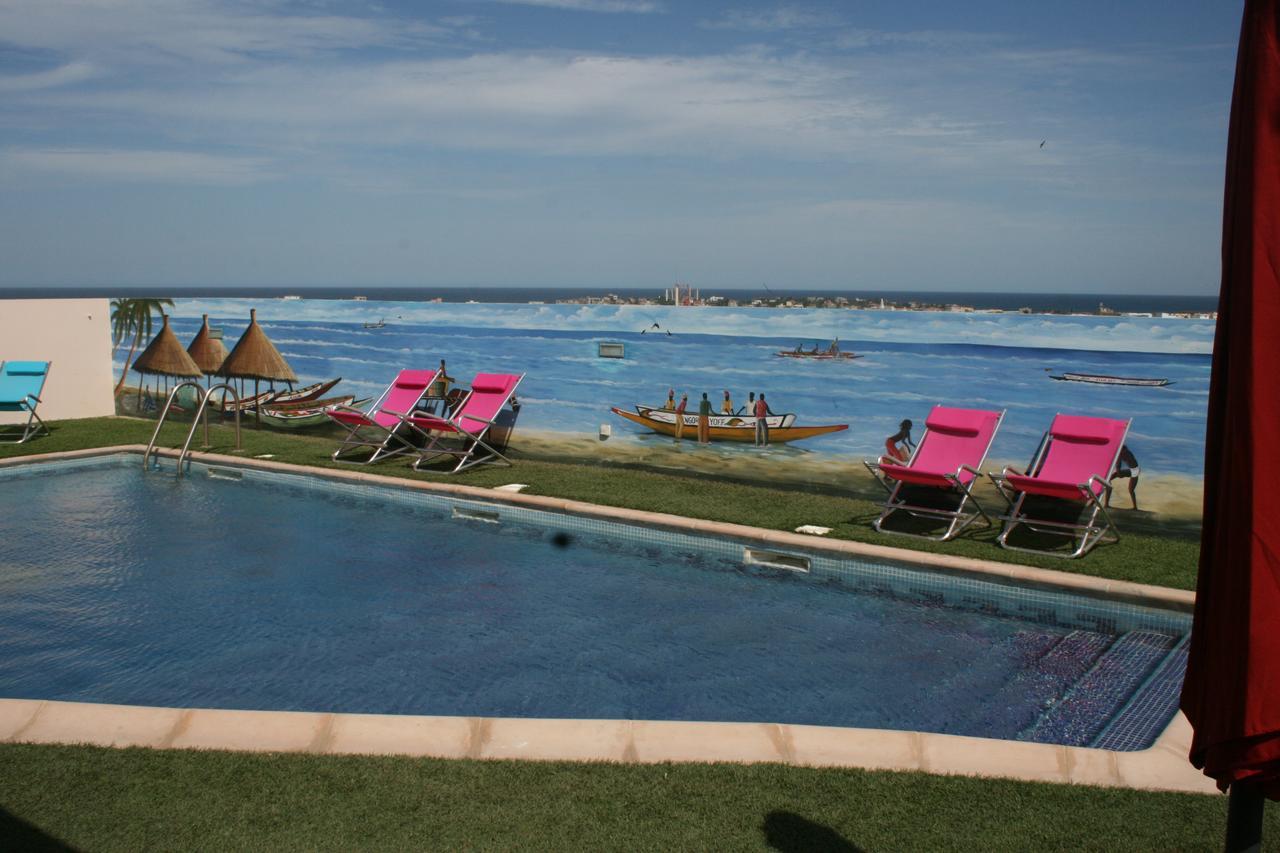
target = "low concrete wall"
x: 74, y: 334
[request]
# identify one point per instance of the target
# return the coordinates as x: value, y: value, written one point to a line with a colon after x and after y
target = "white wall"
x: 74, y: 334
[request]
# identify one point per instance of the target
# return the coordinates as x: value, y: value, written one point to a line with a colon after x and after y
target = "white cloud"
x: 64, y: 75
x: 607, y: 6
x: 170, y: 167
x: 133, y: 32
x: 770, y: 20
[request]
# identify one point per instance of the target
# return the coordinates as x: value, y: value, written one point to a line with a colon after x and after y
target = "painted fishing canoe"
x: 276, y: 398
x: 1099, y: 379
x: 725, y: 427
x: 304, y: 415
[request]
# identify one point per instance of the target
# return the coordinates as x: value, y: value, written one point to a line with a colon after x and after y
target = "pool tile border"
x: 1163, y: 766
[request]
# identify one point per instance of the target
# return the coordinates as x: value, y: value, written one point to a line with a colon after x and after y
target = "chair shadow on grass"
x: 791, y: 833
x: 17, y: 834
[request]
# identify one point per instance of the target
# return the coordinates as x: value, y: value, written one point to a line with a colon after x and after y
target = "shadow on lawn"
x: 790, y: 833
x: 17, y: 834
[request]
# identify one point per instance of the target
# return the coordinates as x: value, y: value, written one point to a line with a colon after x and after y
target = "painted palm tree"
x: 132, y: 317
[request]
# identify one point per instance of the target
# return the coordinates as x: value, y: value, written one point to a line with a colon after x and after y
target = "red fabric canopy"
x: 1232, y: 690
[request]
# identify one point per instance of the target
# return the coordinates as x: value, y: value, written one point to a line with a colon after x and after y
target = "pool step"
x: 1151, y: 708
x: 1086, y: 708
x: 1011, y: 707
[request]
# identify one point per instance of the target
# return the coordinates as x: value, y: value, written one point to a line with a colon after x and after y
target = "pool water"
x: 127, y: 587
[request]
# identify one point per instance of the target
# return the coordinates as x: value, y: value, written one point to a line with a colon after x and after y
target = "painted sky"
x: 615, y: 143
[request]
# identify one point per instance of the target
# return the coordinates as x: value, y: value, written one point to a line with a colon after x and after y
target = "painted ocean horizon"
x: 911, y: 361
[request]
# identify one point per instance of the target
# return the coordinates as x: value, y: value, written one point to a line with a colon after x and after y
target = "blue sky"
x: 615, y: 143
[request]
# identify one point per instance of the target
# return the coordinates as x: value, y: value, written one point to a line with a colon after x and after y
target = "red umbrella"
x: 1232, y: 690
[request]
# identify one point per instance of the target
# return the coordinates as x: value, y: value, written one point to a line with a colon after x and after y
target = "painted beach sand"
x: 910, y: 361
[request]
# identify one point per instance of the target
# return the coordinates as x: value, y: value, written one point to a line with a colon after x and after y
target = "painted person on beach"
x: 750, y: 407
x: 1127, y: 467
x: 761, y: 411
x: 684, y: 401
x: 898, y: 446
x: 704, y: 420
x: 670, y: 405
x: 726, y: 408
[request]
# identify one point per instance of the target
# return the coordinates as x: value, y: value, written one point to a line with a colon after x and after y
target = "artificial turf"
x: 133, y: 799
x: 1150, y: 555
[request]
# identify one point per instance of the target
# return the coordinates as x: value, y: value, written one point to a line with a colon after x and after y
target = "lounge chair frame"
x: 35, y: 425
x: 434, y: 438
x: 1084, y: 534
x: 959, y: 519
x: 384, y: 443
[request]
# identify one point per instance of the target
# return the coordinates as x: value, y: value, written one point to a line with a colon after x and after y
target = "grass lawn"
x: 1153, y: 555
x: 104, y: 799
x: 133, y: 799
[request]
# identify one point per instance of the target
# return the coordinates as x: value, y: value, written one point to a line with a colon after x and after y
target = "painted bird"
x: 1042, y: 142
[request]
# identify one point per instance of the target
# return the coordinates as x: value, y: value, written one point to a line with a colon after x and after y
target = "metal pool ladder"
x: 204, y: 396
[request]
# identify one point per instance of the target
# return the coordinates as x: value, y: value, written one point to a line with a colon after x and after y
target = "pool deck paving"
x: 1163, y: 766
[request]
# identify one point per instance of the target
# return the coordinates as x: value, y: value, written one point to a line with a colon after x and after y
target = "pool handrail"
x: 204, y: 396
x: 21, y: 384
x: 948, y: 458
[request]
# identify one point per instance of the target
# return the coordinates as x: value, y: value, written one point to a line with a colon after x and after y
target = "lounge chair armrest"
x: 877, y: 473
x: 1088, y: 487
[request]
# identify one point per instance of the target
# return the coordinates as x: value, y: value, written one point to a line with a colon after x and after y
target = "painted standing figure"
x: 704, y: 419
x: 762, y: 426
x: 684, y: 402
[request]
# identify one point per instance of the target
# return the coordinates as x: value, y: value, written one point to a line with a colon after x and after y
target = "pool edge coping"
x: 1162, y: 766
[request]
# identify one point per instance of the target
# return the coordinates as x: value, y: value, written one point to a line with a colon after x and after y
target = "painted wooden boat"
x: 1099, y: 379
x: 782, y: 428
x: 278, y: 398
x: 831, y: 353
x: 817, y: 356
x: 304, y: 415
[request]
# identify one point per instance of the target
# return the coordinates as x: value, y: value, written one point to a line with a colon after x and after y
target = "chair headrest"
x: 494, y: 383
x: 1083, y: 429
x: 26, y: 368
x: 960, y: 422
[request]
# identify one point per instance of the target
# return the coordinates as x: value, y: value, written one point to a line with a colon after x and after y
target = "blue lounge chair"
x: 21, y: 384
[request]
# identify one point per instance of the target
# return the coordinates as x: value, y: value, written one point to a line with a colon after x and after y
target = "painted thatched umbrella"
x: 207, y: 351
x: 164, y: 356
x: 255, y: 357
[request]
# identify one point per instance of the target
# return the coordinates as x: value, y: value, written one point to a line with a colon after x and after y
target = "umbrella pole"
x: 1244, y: 818
x: 257, y: 404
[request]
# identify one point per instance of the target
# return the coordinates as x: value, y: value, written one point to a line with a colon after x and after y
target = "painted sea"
x: 911, y: 361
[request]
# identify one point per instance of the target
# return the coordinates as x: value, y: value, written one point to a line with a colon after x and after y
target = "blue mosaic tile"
x: 1150, y: 708
x: 1016, y: 705
x: 1082, y: 713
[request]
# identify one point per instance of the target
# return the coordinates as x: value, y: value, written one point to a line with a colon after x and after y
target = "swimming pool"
x: 239, y: 588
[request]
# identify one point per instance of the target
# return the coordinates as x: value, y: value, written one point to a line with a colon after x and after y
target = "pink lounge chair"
x: 379, y: 427
x: 948, y: 458
x: 1075, y: 460
x: 470, y: 424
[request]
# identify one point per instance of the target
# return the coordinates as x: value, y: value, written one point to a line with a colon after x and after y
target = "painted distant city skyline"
x: 615, y: 144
